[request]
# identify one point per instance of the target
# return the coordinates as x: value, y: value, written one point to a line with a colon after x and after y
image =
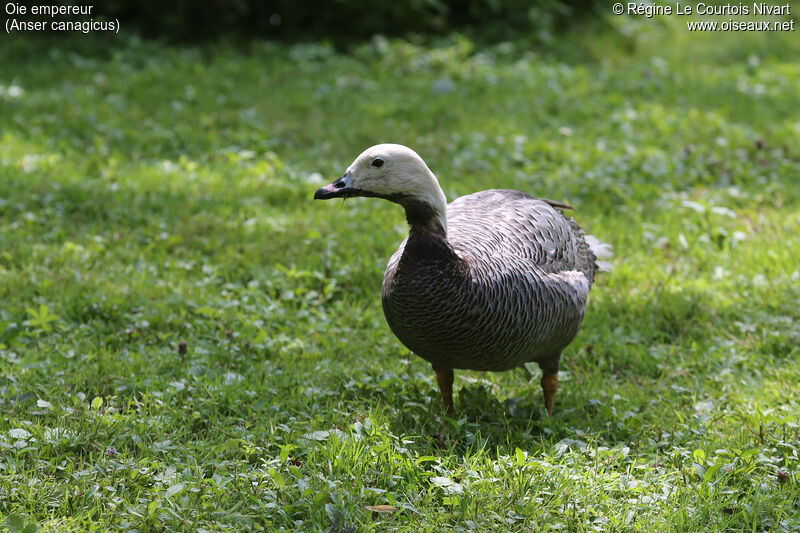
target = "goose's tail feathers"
x: 601, y: 251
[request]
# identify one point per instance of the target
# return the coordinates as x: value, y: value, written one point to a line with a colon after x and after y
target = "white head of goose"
x: 491, y: 281
x: 396, y: 173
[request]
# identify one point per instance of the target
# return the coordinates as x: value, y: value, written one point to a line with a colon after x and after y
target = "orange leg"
x: 549, y: 387
x: 444, y: 376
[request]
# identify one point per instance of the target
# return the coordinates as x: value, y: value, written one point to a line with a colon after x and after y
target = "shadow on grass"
x: 623, y: 385
x: 483, y: 420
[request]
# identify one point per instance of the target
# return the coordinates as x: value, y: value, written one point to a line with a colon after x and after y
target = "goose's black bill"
x: 327, y: 192
x: 338, y: 189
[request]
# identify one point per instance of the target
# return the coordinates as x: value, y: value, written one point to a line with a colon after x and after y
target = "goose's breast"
x: 495, y: 315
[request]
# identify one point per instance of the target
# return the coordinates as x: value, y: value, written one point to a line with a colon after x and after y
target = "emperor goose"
x: 491, y: 281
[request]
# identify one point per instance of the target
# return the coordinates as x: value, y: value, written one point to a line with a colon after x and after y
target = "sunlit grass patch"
x: 188, y: 342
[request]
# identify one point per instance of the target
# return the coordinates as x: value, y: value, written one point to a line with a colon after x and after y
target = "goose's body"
x: 496, y: 279
x: 507, y: 286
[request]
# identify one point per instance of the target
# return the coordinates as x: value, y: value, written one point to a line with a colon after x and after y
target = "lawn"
x: 188, y: 342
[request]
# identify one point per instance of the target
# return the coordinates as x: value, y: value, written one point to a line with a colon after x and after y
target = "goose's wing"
x: 511, y: 225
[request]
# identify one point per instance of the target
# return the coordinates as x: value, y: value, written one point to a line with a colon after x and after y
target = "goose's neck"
x: 427, y: 235
x: 426, y: 219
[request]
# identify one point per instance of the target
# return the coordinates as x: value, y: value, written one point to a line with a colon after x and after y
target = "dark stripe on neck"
x: 420, y: 215
x: 427, y: 239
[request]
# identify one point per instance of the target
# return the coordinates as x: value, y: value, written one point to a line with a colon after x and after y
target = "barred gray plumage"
x: 492, y: 281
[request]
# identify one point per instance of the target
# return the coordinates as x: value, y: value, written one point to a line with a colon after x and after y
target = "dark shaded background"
x: 345, y: 20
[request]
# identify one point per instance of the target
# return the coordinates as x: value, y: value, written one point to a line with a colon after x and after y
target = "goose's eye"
x: 377, y: 162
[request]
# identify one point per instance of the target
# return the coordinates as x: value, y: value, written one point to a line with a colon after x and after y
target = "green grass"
x: 152, y: 196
